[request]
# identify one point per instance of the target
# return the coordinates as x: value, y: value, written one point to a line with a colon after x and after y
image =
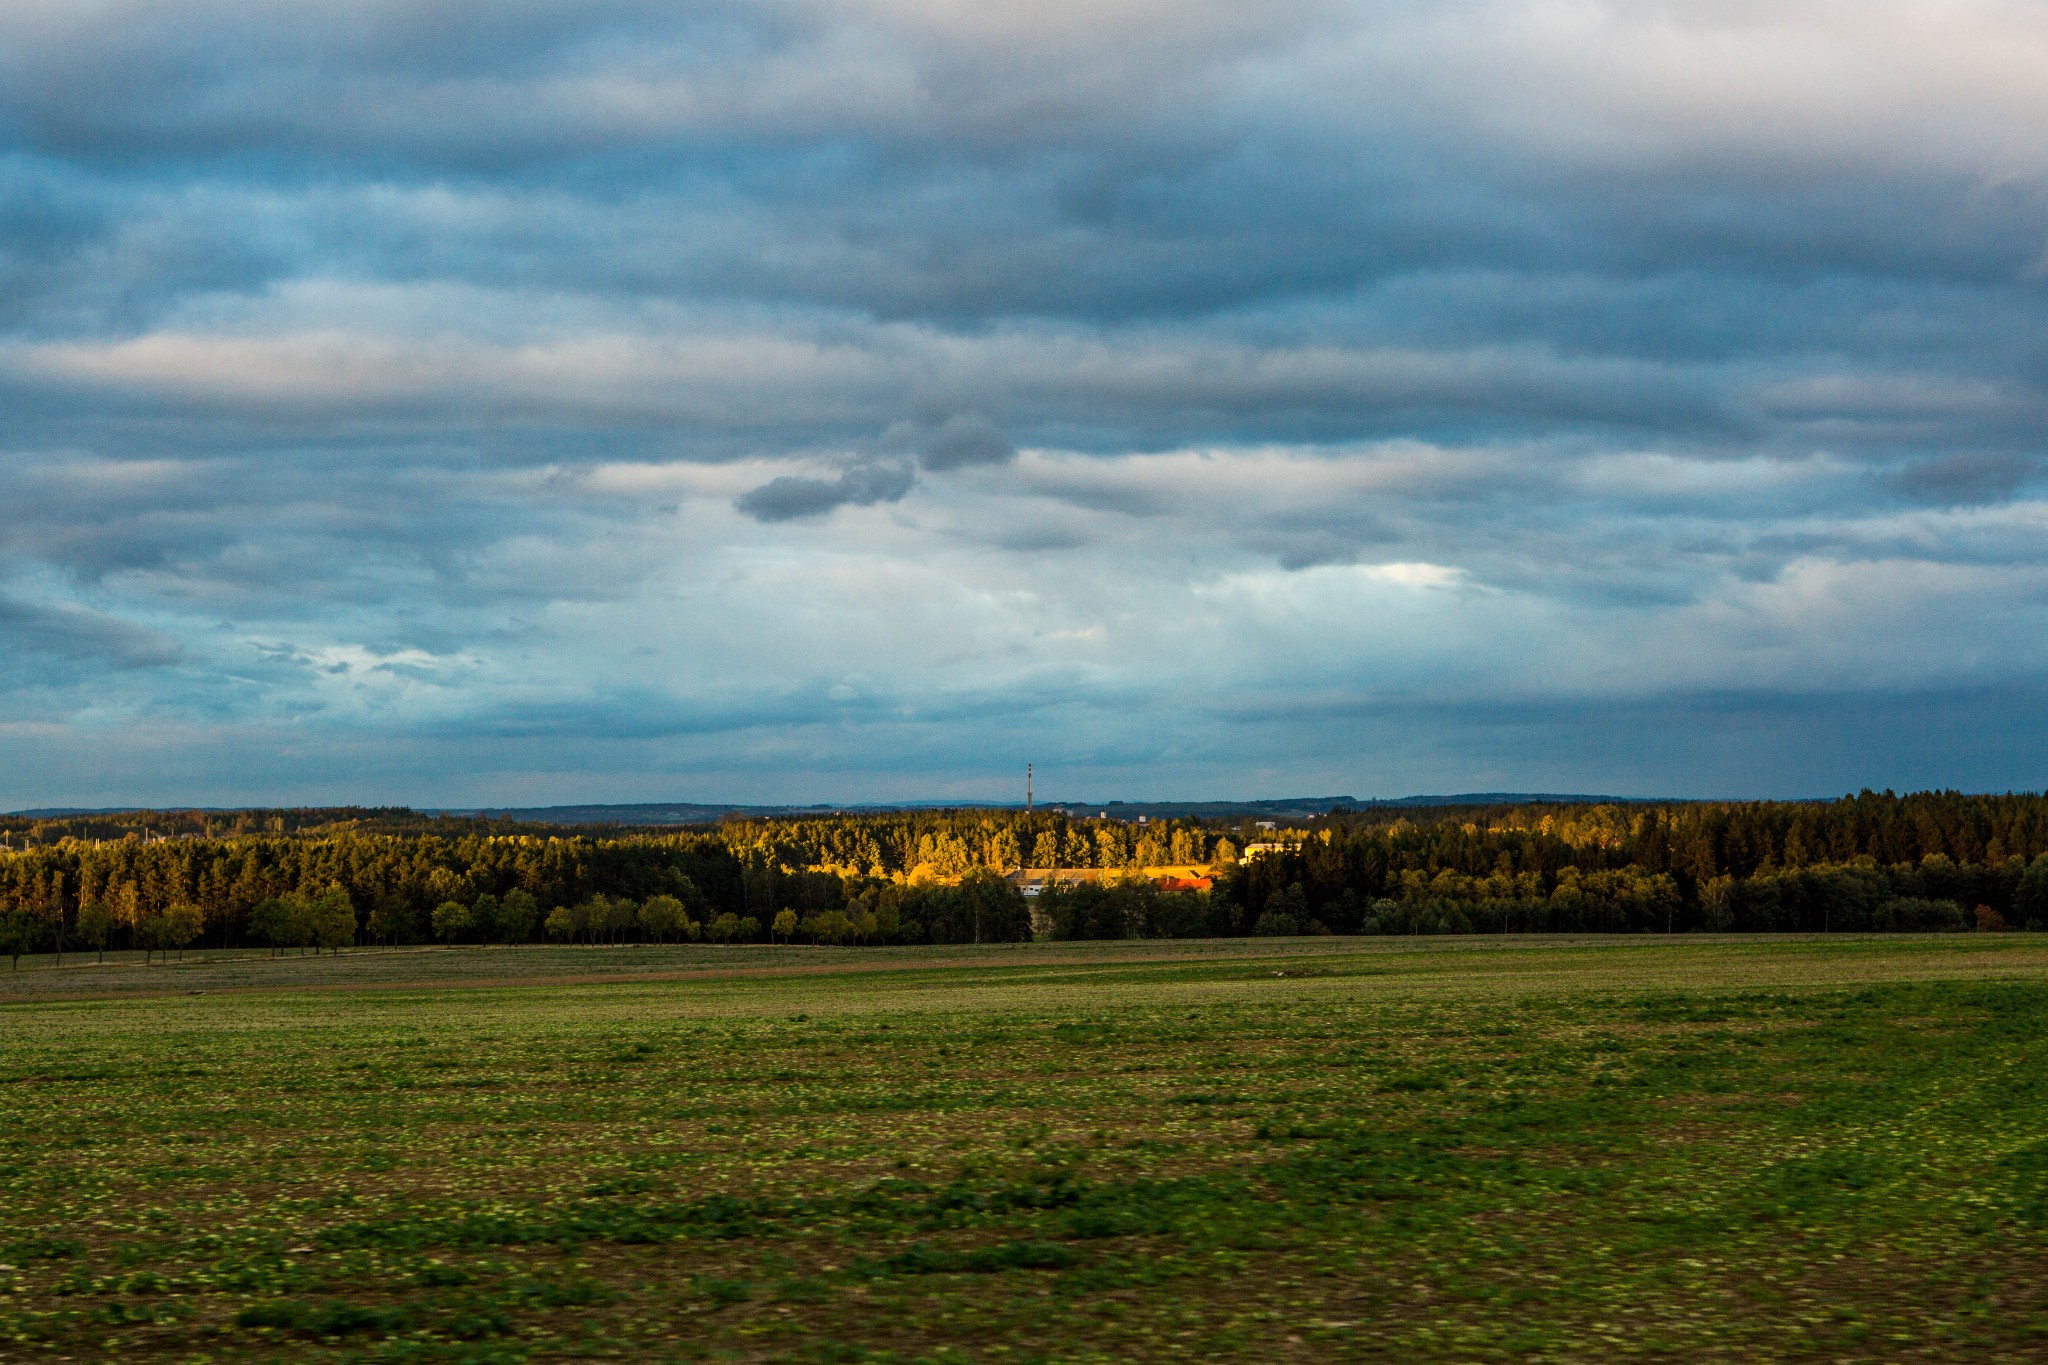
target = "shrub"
x: 1277, y: 924
x: 1913, y: 914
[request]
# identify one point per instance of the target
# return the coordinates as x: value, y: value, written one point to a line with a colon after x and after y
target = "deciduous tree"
x: 518, y: 913
x: 564, y: 924
x: 178, y: 926
x: 451, y: 921
x: 20, y: 932
x: 95, y: 920
x: 662, y: 917
x: 334, y: 920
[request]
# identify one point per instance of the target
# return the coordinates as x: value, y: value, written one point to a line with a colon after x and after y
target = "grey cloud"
x: 791, y: 498
x: 466, y: 85
x: 1008, y: 212
x: 1097, y: 495
x: 1801, y: 744
x: 78, y: 636
x: 965, y: 440
x: 818, y: 379
x: 1038, y: 536
x: 647, y: 714
x: 1306, y: 538
x: 316, y: 525
x: 1968, y: 478
x: 338, y: 325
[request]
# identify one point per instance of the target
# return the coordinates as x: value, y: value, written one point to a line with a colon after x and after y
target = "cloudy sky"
x: 453, y: 402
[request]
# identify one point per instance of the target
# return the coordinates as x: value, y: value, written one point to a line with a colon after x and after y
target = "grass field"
x: 1419, y: 1150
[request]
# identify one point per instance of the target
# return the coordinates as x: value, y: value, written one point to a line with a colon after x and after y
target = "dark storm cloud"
x: 791, y: 498
x: 411, y: 365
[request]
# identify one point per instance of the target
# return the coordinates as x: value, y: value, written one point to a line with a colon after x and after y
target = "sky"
x: 526, y: 402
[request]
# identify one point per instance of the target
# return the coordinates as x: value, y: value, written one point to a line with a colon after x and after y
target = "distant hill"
x: 1306, y: 807
x: 1283, y: 808
x: 1522, y: 799
x: 648, y: 813
x: 709, y: 813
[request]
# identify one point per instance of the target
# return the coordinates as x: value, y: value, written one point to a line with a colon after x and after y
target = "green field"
x: 1422, y: 1150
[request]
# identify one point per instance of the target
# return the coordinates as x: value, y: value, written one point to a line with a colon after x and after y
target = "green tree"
x: 994, y: 907
x: 390, y: 919
x: 1004, y: 852
x: 518, y: 913
x: 662, y: 916
x: 95, y: 922
x: 20, y: 932
x: 53, y: 913
x: 451, y: 921
x: 832, y: 926
x: 592, y: 915
x: 1286, y: 913
x: 785, y: 924
x: 333, y: 920
x: 179, y: 925
x: 483, y: 917
x: 275, y: 921
x: 621, y: 917
x: 442, y: 884
x: 725, y: 928
x: 685, y: 890
x: 564, y: 924
x: 128, y: 909
x: 2030, y: 897
x: 149, y: 932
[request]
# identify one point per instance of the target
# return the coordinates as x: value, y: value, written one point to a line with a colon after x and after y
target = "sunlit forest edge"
x: 329, y: 879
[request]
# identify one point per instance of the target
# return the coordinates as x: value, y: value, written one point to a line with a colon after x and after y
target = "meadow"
x: 1793, y: 1148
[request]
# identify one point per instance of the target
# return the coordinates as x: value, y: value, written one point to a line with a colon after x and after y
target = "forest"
x: 325, y: 879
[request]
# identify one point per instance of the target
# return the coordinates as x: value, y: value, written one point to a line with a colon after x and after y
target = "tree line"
x: 1870, y: 862
x: 317, y: 880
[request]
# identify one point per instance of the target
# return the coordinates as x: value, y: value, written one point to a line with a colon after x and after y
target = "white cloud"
x: 1939, y: 85
x: 1416, y: 575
